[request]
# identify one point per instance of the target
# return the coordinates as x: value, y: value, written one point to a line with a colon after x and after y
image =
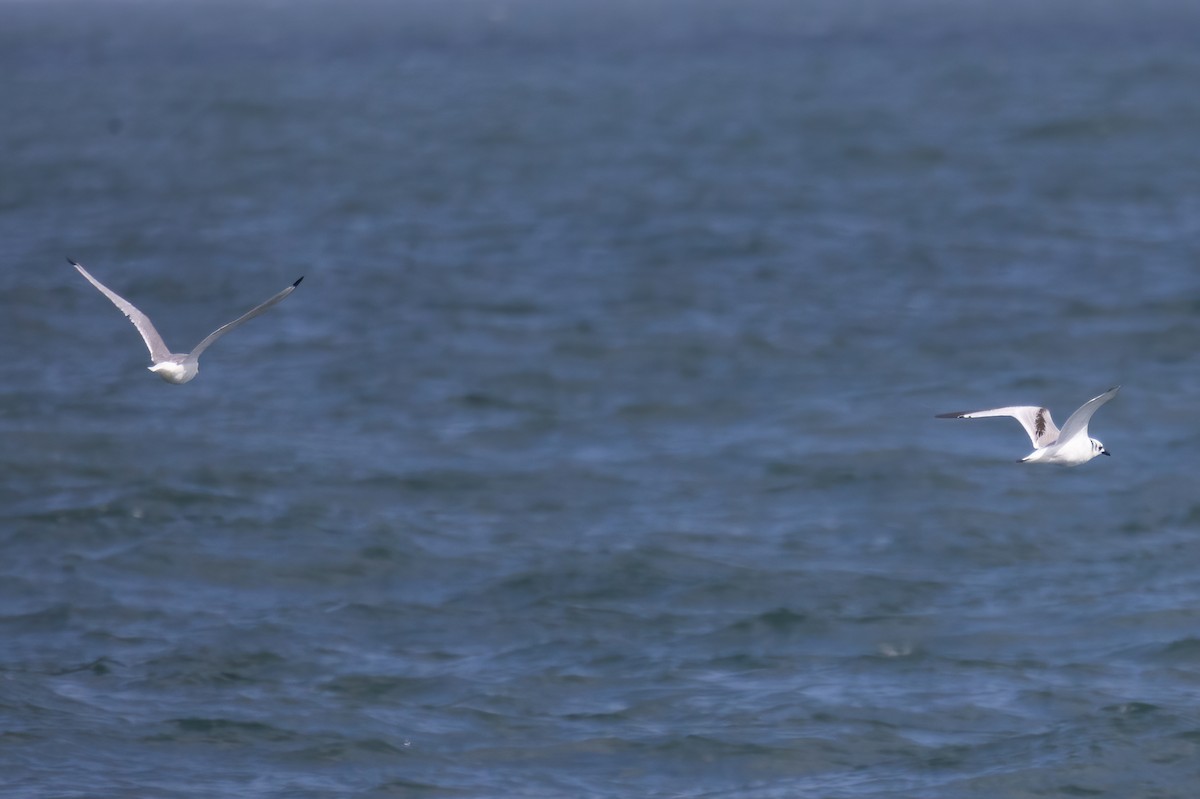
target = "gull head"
x: 1097, y: 448
x: 175, y: 372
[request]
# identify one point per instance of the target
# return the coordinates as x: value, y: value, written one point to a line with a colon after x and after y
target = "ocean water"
x: 595, y: 455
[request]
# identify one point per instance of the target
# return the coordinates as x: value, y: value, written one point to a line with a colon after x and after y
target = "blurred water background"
x: 596, y: 456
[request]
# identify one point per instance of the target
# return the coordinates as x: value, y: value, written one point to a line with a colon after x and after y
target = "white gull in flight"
x: 1069, y: 447
x: 175, y: 367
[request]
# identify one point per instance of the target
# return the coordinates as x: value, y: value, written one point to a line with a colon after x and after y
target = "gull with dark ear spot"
x: 171, y: 366
x: 1070, y: 446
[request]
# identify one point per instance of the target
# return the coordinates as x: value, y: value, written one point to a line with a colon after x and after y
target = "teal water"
x: 595, y: 456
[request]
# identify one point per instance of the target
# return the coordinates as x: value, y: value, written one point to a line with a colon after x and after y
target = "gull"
x: 172, y: 366
x: 1070, y: 446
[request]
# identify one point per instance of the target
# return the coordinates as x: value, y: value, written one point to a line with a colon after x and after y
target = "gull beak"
x: 1105, y: 452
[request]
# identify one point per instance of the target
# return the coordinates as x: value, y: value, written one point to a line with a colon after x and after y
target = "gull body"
x: 1070, y: 446
x: 175, y: 367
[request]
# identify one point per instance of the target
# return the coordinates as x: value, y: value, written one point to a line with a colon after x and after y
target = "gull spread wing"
x: 158, y: 348
x: 1036, y: 421
x: 1078, y: 423
x: 253, y: 312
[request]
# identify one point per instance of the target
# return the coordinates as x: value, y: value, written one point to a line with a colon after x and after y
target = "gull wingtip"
x: 297, y: 283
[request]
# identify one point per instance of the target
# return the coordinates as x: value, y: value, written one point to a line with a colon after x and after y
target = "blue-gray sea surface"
x: 595, y: 455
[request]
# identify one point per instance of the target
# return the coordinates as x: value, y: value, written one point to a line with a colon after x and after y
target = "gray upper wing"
x: 158, y: 348
x: 253, y: 312
x: 1078, y: 423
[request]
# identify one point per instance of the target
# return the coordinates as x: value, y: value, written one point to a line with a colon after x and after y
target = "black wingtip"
x: 956, y: 415
x: 72, y: 261
x: 297, y: 283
